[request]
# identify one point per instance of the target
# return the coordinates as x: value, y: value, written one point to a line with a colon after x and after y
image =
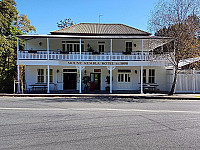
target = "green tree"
x: 178, y: 19
x: 23, y: 24
x: 10, y: 25
x: 8, y: 14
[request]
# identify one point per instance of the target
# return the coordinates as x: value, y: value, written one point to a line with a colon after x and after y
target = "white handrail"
x: 134, y: 56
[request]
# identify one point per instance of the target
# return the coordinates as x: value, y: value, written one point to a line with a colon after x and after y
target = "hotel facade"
x: 91, y: 57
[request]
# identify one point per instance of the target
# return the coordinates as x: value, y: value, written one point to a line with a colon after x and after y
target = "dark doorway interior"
x: 69, y: 80
x: 95, y: 81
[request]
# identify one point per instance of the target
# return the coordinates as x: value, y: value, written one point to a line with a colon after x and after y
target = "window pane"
x: 76, y: 48
x: 128, y: 46
x: 144, y: 76
x: 153, y: 72
x: 51, y: 72
x: 42, y: 79
x: 82, y: 47
x: 126, y: 77
x: 51, y: 79
x: 69, y: 47
x: 122, y: 77
x: 144, y: 80
x: 144, y: 72
x: 40, y: 75
x: 151, y: 75
x: 153, y: 80
x: 63, y: 47
x: 101, y: 48
x: 50, y: 75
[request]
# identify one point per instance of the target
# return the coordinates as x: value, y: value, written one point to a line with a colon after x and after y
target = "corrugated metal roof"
x: 100, y: 29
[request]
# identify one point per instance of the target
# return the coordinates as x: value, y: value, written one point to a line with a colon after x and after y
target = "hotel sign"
x: 93, y: 63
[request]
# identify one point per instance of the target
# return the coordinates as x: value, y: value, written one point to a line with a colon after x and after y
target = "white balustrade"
x: 134, y: 56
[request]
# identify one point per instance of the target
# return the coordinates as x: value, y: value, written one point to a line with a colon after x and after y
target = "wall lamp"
x: 135, y: 71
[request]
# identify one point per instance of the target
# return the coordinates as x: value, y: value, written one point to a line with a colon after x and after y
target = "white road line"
x: 100, y: 109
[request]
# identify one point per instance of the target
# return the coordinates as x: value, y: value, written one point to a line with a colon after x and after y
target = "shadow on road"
x: 93, y: 100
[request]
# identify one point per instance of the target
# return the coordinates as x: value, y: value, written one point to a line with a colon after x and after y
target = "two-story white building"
x: 64, y: 60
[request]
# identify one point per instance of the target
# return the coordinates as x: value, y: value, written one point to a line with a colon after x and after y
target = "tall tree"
x: 178, y: 19
x: 23, y: 24
x: 8, y: 13
x: 10, y: 25
x: 65, y: 23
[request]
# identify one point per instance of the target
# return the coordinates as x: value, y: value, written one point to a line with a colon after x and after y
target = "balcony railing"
x: 88, y: 56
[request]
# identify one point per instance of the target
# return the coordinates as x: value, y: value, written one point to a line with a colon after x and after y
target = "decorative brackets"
x: 110, y: 68
x: 80, y: 67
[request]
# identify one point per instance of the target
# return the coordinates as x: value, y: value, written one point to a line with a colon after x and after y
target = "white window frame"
x: 131, y: 45
x: 144, y: 76
x: 73, y: 46
x: 50, y: 75
x: 125, y: 78
x: 152, y: 76
x: 39, y: 76
x: 101, y: 43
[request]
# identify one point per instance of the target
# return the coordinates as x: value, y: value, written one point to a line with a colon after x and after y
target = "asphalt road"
x: 94, y: 124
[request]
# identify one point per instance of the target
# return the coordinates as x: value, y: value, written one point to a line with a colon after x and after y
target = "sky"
x: 44, y: 14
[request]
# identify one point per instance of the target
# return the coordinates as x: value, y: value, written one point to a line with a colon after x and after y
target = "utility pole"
x: 99, y: 18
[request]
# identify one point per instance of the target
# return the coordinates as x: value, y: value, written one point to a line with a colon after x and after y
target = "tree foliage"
x: 10, y: 25
x: 23, y: 24
x: 8, y: 13
x: 180, y: 20
x: 65, y: 23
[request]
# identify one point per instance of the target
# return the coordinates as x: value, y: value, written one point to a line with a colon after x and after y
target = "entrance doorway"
x: 69, y: 81
x: 95, y: 81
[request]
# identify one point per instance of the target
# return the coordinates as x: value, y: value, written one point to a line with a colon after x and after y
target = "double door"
x: 69, y: 80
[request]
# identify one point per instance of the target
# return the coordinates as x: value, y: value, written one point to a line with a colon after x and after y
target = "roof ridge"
x: 102, y: 23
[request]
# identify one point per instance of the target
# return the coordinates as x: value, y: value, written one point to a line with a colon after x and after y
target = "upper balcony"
x: 89, y: 56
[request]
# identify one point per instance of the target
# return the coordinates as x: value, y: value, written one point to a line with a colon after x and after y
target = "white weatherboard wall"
x: 161, y: 77
x: 56, y: 44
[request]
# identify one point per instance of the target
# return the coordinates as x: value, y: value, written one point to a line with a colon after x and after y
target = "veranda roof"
x: 26, y: 37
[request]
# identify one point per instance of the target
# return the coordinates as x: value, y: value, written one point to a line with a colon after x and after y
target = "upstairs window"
x: 72, y: 46
x: 69, y: 47
x: 128, y: 46
x: 101, y: 46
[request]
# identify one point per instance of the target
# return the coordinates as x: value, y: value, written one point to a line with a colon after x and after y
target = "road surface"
x: 98, y: 123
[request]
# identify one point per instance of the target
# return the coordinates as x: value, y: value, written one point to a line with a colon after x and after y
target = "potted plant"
x: 86, y: 80
x: 128, y: 52
x: 89, y: 48
x: 108, y: 83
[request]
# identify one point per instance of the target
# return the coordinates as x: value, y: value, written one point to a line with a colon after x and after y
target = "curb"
x: 101, y: 96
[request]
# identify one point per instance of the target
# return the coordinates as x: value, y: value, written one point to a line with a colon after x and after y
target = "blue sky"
x: 44, y: 14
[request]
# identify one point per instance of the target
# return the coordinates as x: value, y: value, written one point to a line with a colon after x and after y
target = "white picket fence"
x: 187, y: 82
